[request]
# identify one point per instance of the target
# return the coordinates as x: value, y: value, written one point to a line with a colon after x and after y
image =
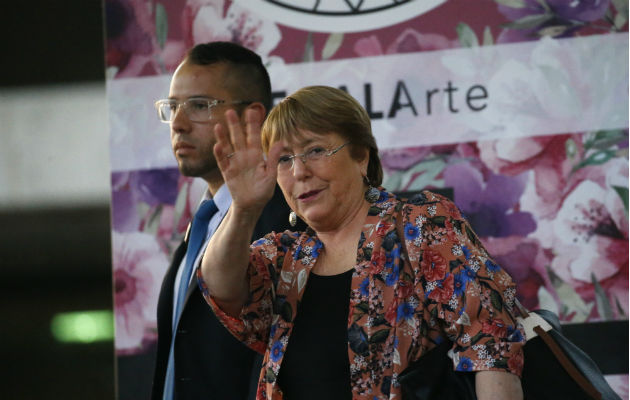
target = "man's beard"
x: 197, y: 169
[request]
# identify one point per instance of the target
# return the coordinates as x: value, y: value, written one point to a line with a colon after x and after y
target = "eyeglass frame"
x: 302, y: 156
x: 211, y: 104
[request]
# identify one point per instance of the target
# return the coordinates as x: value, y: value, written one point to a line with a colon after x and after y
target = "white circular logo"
x: 339, y: 15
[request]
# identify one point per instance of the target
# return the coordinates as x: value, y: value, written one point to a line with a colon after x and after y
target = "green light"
x: 83, y: 326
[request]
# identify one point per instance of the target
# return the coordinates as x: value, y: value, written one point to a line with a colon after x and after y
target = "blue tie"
x: 197, y: 237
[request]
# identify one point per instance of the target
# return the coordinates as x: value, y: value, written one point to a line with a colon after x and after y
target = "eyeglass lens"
x: 313, y: 155
x: 196, y: 109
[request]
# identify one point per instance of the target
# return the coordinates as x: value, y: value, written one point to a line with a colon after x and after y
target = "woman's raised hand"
x: 248, y: 174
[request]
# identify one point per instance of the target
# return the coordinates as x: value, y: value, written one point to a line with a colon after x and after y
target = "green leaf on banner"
x: 609, y: 15
x: 332, y: 45
x: 622, y: 13
x: 423, y: 174
x: 603, y: 305
x: 466, y: 35
x: 621, y: 5
x: 528, y: 22
x: 393, y: 181
x: 487, y: 37
x: 620, y: 310
x: 572, y: 303
x: 623, y: 193
x: 161, y: 24
x: 152, y: 223
x: 544, y: 4
x: 546, y: 300
x: 604, y: 139
x: 512, y: 3
x: 570, y: 148
x: 620, y: 20
x: 309, y: 52
x: 597, y: 158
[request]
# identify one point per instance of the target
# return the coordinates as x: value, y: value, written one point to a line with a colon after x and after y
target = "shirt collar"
x: 222, y: 199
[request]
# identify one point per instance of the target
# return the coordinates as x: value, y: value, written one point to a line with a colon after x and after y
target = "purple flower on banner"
x: 157, y: 186
x: 153, y: 188
x: 555, y: 18
x: 409, y: 41
x: 125, y: 218
x: 490, y: 203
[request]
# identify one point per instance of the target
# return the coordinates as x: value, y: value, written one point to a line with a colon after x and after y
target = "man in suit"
x: 204, y: 360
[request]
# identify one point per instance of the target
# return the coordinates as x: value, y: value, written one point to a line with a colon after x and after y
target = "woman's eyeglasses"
x: 313, y: 155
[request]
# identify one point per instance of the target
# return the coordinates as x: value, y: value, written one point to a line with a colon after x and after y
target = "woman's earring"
x: 371, y: 194
x: 292, y: 218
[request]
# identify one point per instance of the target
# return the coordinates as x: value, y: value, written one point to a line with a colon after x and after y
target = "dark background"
x: 52, y: 260
x: 51, y: 42
x: 58, y: 260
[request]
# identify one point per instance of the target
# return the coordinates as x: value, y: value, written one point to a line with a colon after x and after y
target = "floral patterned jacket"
x: 406, y: 297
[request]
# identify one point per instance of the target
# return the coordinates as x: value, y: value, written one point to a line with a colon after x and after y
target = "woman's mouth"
x: 308, y: 195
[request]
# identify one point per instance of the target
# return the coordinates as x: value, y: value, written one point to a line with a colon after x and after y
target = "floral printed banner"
x: 536, y: 155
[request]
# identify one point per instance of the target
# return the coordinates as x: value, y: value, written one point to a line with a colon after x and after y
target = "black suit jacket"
x: 209, y: 362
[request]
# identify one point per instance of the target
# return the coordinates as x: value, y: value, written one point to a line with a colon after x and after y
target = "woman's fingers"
x: 252, y: 129
x: 237, y: 136
x: 222, y: 148
x: 274, y: 155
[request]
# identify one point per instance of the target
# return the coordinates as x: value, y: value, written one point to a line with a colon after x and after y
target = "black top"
x: 316, y: 365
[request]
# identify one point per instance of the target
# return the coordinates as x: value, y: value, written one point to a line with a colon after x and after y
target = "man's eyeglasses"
x: 197, y: 109
x: 313, y: 155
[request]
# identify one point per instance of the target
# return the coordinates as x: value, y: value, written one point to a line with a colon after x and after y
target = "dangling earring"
x: 371, y: 194
x: 292, y: 218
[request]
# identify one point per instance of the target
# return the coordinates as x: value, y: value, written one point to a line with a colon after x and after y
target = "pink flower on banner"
x: 208, y: 20
x: 619, y: 383
x: 590, y: 240
x: 592, y: 228
x: 412, y: 41
x: 409, y: 41
x: 546, y: 156
x: 139, y: 266
x: 368, y: 46
x: 131, y: 43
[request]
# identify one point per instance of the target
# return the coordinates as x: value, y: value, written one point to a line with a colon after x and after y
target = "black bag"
x: 554, y: 369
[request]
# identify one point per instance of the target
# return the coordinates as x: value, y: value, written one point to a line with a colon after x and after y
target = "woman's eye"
x: 315, y: 152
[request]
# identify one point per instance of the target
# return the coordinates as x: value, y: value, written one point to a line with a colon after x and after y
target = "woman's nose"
x: 300, y: 169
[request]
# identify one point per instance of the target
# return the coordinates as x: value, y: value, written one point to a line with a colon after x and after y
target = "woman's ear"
x: 365, y: 162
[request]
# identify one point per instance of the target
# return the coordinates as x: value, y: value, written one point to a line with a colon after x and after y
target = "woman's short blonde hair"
x: 324, y: 110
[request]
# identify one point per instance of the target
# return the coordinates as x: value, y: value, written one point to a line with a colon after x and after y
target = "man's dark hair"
x: 248, y: 78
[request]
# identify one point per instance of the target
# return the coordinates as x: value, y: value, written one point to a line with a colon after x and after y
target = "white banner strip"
x: 550, y: 86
